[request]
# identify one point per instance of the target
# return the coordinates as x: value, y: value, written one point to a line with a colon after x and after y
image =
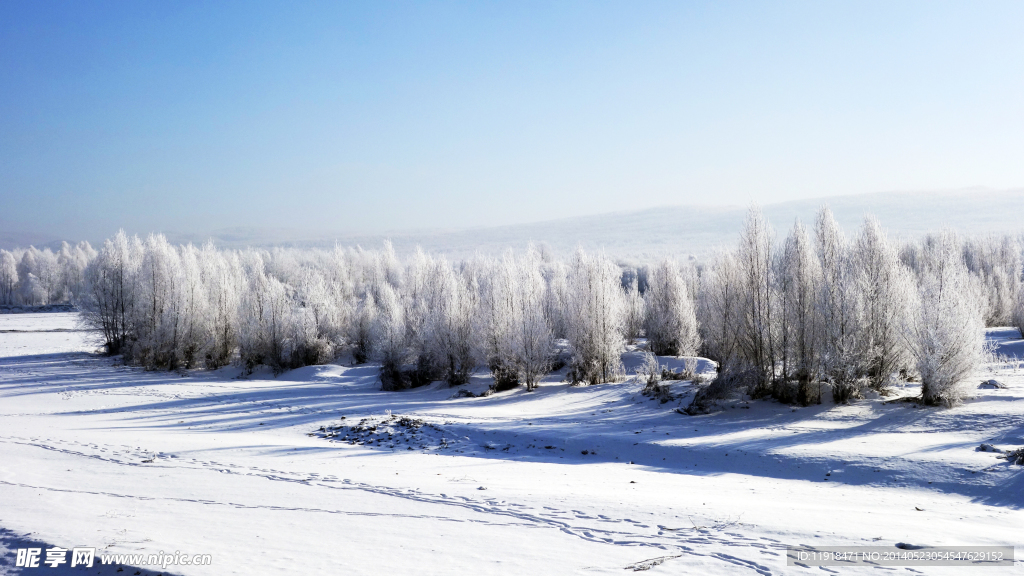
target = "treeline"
x: 786, y: 319
x: 791, y: 318
x: 35, y: 277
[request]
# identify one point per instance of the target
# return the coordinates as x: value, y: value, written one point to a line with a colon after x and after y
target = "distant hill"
x: 693, y: 230
x: 679, y: 231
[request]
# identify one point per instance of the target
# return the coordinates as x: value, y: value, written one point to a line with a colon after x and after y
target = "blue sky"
x: 378, y: 116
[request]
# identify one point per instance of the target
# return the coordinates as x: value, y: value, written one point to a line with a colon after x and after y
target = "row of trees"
x: 819, y: 310
x: 427, y: 319
x: 35, y: 277
x: 786, y: 319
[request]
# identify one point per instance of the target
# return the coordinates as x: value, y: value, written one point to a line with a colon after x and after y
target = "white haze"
x: 649, y: 235
x: 642, y: 236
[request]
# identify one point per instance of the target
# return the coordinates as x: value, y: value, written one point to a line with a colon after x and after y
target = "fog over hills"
x: 652, y: 233
x: 689, y: 230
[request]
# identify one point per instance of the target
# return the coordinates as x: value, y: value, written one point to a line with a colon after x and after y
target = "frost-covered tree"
x: 262, y: 315
x: 760, y: 308
x: 720, y: 309
x: 448, y: 327
x: 556, y: 297
x: 883, y: 286
x: 71, y: 264
x: 361, y: 334
x: 636, y: 312
x: 390, y: 344
x: 194, y: 301
x: 223, y: 281
x: 670, y: 323
x: 995, y: 262
x: 594, y: 317
x: 532, y: 336
x: 945, y: 328
x: 514, y: 331
x: 112, y: 292
x: 838, y: 310
x: 498, y: 319
x: 8, y: 277
x: 159, y: 314
x: 798, y: 279
x: 779, y: 319
x: 30, y: 289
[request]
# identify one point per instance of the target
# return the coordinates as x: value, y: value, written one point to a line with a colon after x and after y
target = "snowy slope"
x: 316, y: 471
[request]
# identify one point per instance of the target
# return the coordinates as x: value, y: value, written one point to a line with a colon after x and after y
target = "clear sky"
x: 377, y: 116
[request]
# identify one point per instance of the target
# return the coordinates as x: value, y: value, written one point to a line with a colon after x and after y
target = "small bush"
x: 506, y: 377
x: 845, y: 391
x: 1016, y: 456
x: 721, y: 388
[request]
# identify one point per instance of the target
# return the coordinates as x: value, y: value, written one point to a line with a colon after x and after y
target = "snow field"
x: 94, y: 453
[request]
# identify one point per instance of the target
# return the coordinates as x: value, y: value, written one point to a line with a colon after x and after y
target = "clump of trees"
x: 823, y: 312
x: 181, y: 307
x: 795, y: 318
x: 33, y: 277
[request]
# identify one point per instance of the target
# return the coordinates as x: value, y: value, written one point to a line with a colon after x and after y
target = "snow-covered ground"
x: 317, y: 471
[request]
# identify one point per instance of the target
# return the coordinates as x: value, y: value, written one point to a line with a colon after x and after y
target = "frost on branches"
x: 800, y: 319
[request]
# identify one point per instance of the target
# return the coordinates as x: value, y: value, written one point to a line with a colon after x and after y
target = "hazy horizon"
x: 644, y: 234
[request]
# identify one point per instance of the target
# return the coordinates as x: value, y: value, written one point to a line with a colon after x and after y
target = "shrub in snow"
x: 723, y: 387
x: 670, y: 323
x: 649, y: 371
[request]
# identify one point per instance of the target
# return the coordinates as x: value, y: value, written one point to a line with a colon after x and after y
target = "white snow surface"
x: 93, y: 453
